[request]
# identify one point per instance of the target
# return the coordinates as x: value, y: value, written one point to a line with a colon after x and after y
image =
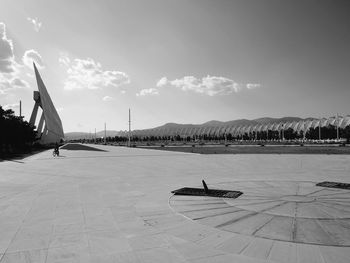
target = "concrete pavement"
x: 116, y: 206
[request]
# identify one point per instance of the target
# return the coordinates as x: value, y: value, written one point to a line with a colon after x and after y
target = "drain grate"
x: 334, y: 185
x: 209, y: 192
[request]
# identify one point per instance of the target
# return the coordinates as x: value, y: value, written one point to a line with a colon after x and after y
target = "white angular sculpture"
x: 50, y: 120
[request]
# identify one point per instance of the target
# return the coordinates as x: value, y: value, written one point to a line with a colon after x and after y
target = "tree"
x: 16, y: 135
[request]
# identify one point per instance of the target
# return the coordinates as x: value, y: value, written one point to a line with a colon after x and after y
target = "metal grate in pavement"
x: 210, y: 192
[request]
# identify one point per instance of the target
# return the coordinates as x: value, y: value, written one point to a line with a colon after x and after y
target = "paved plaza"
x: 115, y: 205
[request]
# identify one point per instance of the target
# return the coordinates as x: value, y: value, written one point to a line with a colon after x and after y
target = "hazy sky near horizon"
x: 184, y: 61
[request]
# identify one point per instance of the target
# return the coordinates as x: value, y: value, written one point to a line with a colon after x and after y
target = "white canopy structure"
x: 239, y: 130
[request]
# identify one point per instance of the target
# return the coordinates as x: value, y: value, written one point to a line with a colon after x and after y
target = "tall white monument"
x: 50, y: 128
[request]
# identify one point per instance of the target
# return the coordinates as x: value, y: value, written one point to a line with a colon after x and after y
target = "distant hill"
x: 213, y: 123
x: 274, y: 120
x: 76, y: 135
x: 241, y: 122
x: 171, y: 125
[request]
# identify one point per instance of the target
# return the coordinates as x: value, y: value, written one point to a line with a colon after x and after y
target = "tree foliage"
x: 16, y: 135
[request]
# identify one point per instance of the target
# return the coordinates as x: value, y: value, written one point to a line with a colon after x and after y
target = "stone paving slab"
x: 115, y: 205
x: 275, y: 211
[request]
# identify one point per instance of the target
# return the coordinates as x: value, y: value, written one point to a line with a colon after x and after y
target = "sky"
x: 183, y: 61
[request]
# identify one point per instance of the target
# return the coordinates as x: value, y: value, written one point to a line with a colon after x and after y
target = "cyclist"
x: 56, y: 150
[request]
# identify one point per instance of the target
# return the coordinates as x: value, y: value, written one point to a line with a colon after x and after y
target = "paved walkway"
x: 115, y: 206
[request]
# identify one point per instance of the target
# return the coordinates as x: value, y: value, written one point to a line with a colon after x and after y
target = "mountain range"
x: 213, y: 123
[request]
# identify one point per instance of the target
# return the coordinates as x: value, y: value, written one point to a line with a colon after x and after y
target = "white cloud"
x: 88, y: 74
x: 31, y: 56
x: 209, y: 85
x: 162, y: 82
x: 13, y: 83
x: 7, y: 59
x: 35, y: 22
x: 19, y: 83
x: 11, y: 106
x: 253, y: 85
x: 107, y: 98
x: 9, y: 83
x: 64, y: 60
x: 9, y: 68
x: 145, y: 92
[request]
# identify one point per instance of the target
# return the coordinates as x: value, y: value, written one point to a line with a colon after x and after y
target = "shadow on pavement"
x: 17, y: 157
x: 80, y: 147
x: 10, y: 160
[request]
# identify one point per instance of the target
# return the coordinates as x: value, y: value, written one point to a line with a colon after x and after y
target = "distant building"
x: 49, y: 128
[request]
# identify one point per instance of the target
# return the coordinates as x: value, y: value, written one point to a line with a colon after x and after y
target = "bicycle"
x: 55, y: 153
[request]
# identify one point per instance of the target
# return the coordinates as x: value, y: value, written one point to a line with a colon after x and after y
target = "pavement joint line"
x: 241, y: 251
x: 257, y: 230
x: 230, y: 222
x: 323, y: 204
x: 272, y: 244
x: 316, y: 192
x: 316, y: 218
x: 199, y: 218
x: 94, y: 185
x: 21, y: 225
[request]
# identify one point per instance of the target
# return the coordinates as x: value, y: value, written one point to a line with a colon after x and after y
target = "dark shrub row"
x: 16, y: 135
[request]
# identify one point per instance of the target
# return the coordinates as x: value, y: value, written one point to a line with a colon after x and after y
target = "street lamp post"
x: 319, y: 130
x: 337, y: 127
x: 105, y: 135
x: 129, y: 143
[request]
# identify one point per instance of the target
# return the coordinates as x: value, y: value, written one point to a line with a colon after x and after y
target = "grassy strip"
x: 257, y: 149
